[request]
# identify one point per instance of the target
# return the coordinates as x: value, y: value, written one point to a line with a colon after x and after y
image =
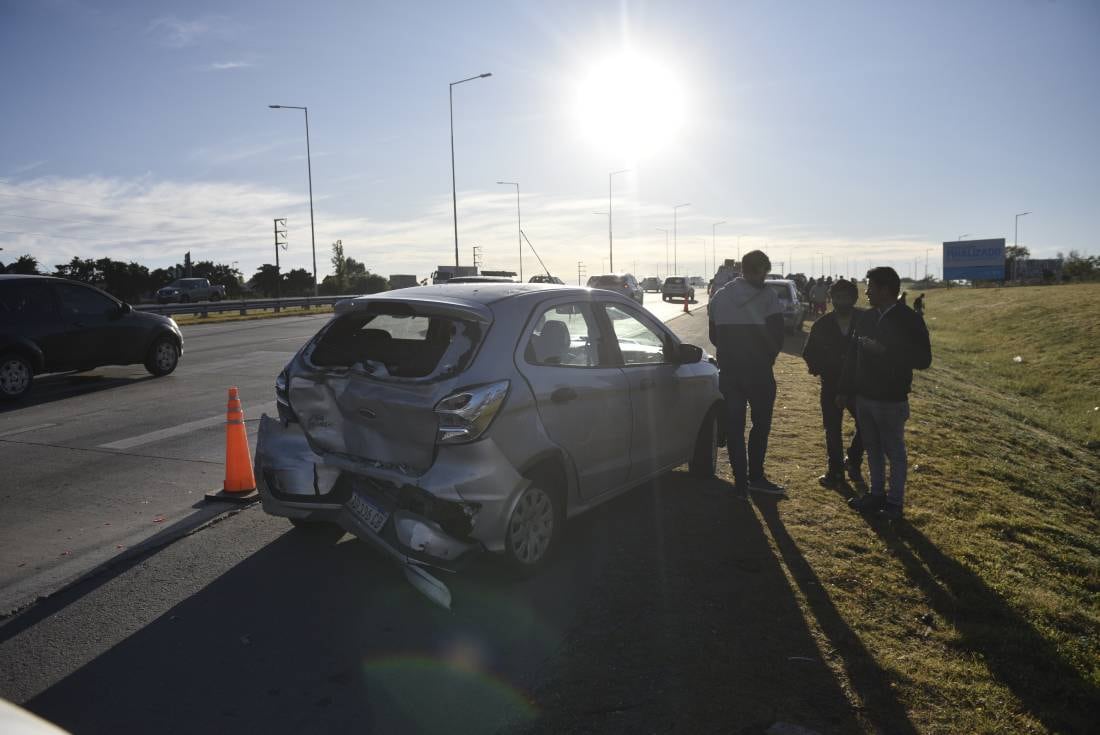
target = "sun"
x: 630, y: 105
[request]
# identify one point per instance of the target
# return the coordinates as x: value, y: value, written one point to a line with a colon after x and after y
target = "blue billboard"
x: 974, y: 260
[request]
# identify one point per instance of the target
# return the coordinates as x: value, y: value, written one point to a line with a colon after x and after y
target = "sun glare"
x: 630, y: 105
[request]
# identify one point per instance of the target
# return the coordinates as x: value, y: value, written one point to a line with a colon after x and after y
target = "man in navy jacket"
x: 891, y: 341
x: 746, y: 327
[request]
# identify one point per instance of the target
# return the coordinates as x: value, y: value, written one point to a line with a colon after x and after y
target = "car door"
x: 28, y: 311
x: 662, y: 409
x: 89, y: 316
x: 582, y: 399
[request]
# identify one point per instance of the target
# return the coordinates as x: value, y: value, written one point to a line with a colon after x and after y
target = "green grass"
x: 983, y: 609
x: 253, y: 314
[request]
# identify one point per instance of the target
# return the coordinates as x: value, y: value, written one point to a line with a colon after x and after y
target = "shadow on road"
x: 59, y: 386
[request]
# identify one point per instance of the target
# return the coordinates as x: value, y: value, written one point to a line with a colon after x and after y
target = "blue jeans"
x: 757, y: 392
x: 882, y: 425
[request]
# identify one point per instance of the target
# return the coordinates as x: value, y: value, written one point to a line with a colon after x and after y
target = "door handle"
x: 563, y: 395
x: 645, y: 384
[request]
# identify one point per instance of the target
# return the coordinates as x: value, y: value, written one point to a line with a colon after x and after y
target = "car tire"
x: 665, y: 299
x: 534, y: 526
x: 16, y: 376
x: 163, y: 356
x: 704, y: 457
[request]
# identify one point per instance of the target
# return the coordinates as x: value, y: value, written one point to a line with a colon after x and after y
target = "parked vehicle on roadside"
x: 442, y: 421
x: 677, y: 287
x: 50, y: 325
x: 651, y: 284
x: 544, y: 278
x: 623, y: 283
x: 481, y: 279
x: 795, y: 310
x: 190, y: 290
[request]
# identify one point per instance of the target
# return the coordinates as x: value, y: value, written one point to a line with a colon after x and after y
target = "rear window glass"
x: 608, y: 281
x: 397, y: 346
x: 781, y: 290
x: 25, y: 302
x: 675, y: 281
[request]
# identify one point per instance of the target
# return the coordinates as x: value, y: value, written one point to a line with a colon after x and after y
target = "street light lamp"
x: 661, y: 229
x: 675, y: 248
x: 309, y: 172
x: 713, y: 257
x: 1016, y: 237
x: 454, y: 195
x: 519, y: 226
x: 610, y: 250
x: 962, y: 236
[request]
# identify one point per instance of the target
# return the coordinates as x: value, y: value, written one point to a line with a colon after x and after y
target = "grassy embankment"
x: 233, y: 316
x: 983, y: 608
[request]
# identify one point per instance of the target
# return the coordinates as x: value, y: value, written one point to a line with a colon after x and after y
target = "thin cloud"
x: 174, y: 32
x: 227, y: 65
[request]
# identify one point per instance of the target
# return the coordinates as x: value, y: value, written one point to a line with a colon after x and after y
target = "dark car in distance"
x: 622, y: 283
x: 50, y: 325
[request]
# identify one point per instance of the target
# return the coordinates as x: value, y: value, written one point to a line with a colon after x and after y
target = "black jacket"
x: 826, y: 348
x: 889, y: 376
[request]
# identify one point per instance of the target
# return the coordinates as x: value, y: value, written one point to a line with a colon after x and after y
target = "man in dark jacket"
x: 890, y: 342
x: 746, y: 327
x: 824, y: 355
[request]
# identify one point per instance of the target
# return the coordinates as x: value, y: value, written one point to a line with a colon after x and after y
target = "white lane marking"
x: 36, y: 427
x: 173, y: 431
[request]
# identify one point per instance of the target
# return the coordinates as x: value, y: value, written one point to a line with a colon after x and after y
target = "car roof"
x: 18, y: 276
x: 482, y: 293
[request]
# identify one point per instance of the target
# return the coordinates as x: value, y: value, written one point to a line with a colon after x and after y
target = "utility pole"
x: 610, y: 249
x: 675, y: 242
x: 477, y: 258
x: 280, y: 242
x: 580, y: 272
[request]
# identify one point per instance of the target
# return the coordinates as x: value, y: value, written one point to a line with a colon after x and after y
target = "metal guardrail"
x: 205, y: 308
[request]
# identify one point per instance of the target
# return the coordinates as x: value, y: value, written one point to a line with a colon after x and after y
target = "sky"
x: 847, y: 134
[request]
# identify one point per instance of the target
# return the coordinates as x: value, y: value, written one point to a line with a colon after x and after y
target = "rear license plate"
x: 368, y: 512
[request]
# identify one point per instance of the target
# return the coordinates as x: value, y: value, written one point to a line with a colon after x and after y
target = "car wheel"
x: 16, y: 376
x: 533, y: 528
x: 163, y: 357
x: 704, y: 458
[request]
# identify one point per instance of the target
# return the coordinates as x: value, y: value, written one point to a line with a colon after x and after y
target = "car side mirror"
x: 689, y: 354
x: 125, y: 308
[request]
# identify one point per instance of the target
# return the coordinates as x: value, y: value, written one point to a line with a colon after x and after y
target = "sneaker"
x: 868, y: 503
x: 854, y: 473
x: 891, y: 512
x: 764, y: 485
x: 832, y: 478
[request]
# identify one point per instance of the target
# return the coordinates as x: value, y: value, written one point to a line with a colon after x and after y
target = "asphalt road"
x: 103, y: 464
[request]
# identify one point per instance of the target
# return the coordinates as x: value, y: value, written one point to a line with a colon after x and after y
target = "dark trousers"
x: 757, y: 393
x: 833, y: 418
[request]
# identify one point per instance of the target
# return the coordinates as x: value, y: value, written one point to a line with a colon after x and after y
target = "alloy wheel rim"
x: 166, y: 355
x: 14, y: 377
x: 532, y: 526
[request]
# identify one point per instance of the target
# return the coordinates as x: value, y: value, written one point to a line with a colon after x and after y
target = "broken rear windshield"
x: 397, y: 345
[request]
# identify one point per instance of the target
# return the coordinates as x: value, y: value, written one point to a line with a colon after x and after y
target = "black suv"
x: 49, y: 325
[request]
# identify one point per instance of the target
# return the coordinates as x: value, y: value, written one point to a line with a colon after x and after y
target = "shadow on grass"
x: 872, y: 684
x: 1017, y: 655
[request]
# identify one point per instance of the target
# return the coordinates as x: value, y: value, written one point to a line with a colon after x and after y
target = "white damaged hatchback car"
x: 440, y: 421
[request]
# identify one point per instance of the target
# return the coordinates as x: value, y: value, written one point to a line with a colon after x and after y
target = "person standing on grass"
x: 746, y: 327
x: 890, y: 341
x: 819, y: 294
x: 824, y: 354
x: 918, y: 305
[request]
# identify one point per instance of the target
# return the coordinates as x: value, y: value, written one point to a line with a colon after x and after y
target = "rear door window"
x: 23, y: 302
x: 397, y: 346
x: 564, y: 335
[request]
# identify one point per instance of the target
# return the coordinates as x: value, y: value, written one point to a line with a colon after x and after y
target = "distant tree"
x: 368, y: 283
x: 1080, y: 267
x: 219, y: 274
x: 126, y: 281
x: 25, y: 265
x: 79, y: 269
x: 266, y: 280
x: 298, y: 282
x: 1017, y: 252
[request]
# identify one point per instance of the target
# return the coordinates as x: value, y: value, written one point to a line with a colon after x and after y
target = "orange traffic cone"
x: 685, y: 304
x: 240, y: 482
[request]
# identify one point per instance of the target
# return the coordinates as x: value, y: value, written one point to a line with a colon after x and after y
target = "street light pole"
x: 610, y: 250
x: 454, y: 191
x: 519, y: 228
x: 661, y: 229
x: 1016, y: 236
x: 962, y: 236
x: 309, y: 172
x: 713, y: 248
x: 675, y: 243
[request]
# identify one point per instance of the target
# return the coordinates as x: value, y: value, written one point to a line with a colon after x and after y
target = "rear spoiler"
x: 405, y: 306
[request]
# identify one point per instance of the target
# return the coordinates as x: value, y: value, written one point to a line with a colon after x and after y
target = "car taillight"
x: 464, y: 416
